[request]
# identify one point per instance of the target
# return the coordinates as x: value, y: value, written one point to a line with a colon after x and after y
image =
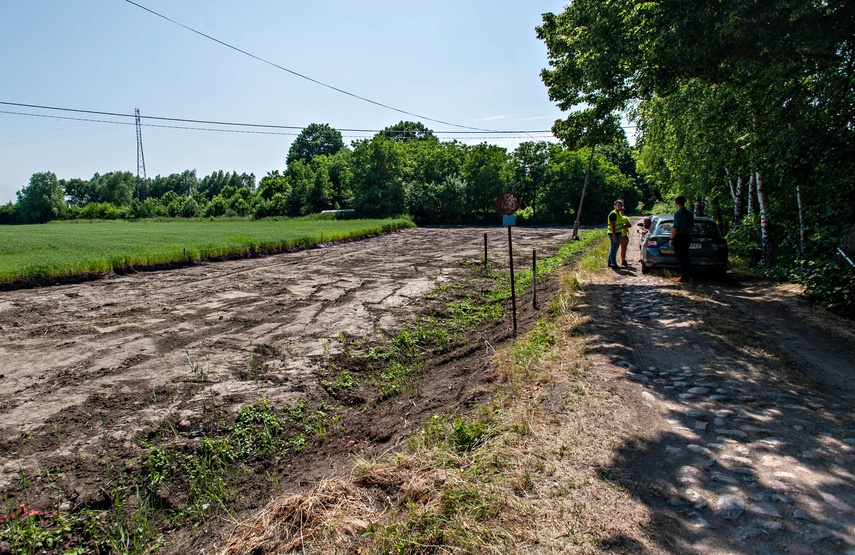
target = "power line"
x: 49, y: 116
x: 307, y: 78
x: 241, y: 131
x: 235, y: 124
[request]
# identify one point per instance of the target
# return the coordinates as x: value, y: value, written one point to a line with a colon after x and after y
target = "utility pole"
x: 582, y: 198
x: 140, y: 155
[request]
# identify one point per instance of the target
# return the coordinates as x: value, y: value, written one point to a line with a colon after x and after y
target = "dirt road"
x: 741, y: 401
x: 87, y: 369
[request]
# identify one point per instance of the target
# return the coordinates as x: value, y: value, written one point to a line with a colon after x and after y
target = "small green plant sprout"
x: 316, y: 421
x: 256, y: 428
x: 197, y: 371
x: 298, y: 442
x: 254, y: 369
x: 343, y: 383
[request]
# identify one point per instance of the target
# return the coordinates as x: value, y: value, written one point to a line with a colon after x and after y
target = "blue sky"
x: 473, y: 63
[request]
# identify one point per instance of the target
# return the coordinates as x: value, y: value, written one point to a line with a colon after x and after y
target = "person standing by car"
x: 681, y: 238
x: 614, y: 233
x: 625, y: 224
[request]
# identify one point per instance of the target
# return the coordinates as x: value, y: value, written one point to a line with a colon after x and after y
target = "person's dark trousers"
x: 681, y: 253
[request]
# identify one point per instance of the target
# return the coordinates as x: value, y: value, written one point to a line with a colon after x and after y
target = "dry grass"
x: 324, y: 520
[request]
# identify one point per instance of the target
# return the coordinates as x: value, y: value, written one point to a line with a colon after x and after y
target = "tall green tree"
x: 79, y: 192
x: 316, y: 139
x: 788, y: 64
x: 378, y: 178
x: 408, y: 131
x: 487, y: 173
x: 529, y: 163
x: 42, y: 200
x: 117, y: 188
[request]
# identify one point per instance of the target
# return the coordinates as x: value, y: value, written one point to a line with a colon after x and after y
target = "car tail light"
x: 722, y: 246
x: 653, y: 243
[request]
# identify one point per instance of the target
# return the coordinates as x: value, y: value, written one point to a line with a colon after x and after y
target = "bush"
x: 743, y: 241
x: 98, y: 211
x: 832, y: 284
x: 431, y: 203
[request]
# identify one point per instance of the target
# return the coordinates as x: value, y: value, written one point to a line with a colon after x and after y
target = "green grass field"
x: 33, y: 252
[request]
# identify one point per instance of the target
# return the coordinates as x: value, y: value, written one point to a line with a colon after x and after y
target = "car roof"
x: 669, y: 217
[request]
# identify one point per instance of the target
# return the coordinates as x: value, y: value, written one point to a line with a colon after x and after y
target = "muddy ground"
x: 87, y: 370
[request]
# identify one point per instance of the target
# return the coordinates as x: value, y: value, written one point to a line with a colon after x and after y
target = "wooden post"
x: 534, y: 278
x: 513, y: 292
x: 485, y: 253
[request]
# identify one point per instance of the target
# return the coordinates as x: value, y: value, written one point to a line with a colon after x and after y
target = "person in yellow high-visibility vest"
x: 625, y: 224
x: 614, y: 233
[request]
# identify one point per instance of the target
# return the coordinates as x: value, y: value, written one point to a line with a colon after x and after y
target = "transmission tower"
x: 140, y: 154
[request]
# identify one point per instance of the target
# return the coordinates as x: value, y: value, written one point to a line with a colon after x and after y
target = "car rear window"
x: 701, y: 229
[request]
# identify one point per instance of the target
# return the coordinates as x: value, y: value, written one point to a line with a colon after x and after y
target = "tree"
x: 42, y: 200
x: 529, y: 162
x: 436, y: 203
x: 117, y: 188
x: 273, y: 183
x: 314, y: 140
x: 378, y: 178
x: 79, y: 192
x: 408, y: 131
x: 487, y: 173
x: 564, y: 181
x: 786, y: 63
x: 8, y: 213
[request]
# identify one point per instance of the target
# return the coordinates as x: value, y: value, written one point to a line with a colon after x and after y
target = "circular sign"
x: 507, y: 203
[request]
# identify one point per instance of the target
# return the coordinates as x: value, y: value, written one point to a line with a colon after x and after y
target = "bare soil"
x: 88, y: 370
x: 714, y: 418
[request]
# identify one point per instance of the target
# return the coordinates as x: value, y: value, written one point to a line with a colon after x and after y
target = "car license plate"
x: 695, y: 246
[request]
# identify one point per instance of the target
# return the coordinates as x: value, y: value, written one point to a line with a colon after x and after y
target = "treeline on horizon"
x: 405, y: 169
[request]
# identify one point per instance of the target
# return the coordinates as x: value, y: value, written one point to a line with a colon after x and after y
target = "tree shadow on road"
x: 752, y: 450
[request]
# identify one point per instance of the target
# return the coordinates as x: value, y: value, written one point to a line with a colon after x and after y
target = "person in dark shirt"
x: 681, y: 238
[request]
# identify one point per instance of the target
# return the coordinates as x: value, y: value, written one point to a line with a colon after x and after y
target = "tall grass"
x: 58, y: 249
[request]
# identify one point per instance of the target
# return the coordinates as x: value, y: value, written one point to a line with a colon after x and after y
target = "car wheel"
x: 645, y: 269
x: 720, y: 272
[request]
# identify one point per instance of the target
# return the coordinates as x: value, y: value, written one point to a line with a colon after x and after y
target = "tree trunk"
x: 716, y: 209
x: 700, y: 207
x: 765, y: 234
x: 736, y: 193
x: 751, y: 182
x: 802, y: 227
x: 582, y: 199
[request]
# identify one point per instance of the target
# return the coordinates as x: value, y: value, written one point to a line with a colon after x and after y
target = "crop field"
x: 32, y: 252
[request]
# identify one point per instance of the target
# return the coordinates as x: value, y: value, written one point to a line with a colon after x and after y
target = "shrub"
x: 832, y: 284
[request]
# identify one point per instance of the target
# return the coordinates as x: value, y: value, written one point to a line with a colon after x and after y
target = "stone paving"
x: 745, y: 455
